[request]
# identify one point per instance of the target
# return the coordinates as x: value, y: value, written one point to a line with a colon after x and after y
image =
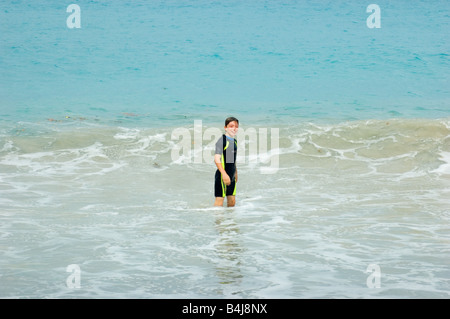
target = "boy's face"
x: 232, y: 128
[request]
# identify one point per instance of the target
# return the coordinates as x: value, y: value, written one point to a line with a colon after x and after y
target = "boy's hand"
x: 226, y: 179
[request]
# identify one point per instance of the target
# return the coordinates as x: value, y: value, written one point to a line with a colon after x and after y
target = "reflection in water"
x: 229, y: 251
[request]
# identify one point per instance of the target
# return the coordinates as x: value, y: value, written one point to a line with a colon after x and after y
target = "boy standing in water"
x: 225, y: 159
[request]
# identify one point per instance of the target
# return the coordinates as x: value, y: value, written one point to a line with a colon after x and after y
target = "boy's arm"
x: 225, y: 177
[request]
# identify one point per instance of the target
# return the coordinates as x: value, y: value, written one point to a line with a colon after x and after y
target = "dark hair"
x: 231, y: 119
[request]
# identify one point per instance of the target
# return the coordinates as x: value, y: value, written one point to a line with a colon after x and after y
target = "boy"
x: 225, y: 159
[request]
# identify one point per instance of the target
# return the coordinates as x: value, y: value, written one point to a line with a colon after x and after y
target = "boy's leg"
x: 231, y: 200
x: 219, y: 191
x: 218, y: 201
x: 231, y: 194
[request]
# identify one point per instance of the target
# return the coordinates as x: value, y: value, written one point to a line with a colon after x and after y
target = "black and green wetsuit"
x: 226, y: 147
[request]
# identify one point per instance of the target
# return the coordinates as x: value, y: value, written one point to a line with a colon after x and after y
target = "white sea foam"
x: 127, y: 134
x: 443, y: 168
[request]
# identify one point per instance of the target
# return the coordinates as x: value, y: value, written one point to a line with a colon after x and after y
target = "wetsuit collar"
x: 229, y: 137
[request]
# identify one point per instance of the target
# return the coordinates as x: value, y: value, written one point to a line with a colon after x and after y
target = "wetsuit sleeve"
x: 219, y: 146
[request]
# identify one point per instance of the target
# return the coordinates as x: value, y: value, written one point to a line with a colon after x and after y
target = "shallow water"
x: 140, y: 225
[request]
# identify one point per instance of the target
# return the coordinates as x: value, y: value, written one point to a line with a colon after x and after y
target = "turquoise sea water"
x: 301, y: 59
x: 92, y: 120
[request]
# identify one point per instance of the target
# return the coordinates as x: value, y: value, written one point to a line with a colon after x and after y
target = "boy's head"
x: 231, y: 119
x: 231, y: 126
